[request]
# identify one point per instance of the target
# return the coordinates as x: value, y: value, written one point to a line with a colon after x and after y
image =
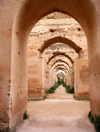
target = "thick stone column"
x: 39, y: 53
x: 54, y: 78
x: 36, y: 77
x: 52, y: 81
x: 71, y: 77
x: 68, y: 78
x: 81, y: 54
x: 81, y: 78
x: 48, y: 78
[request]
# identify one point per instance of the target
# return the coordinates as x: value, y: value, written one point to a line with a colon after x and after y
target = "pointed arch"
x: 59, y: 60
x: 60, y: 65
x: 60, y: 39
x: 60, y: 53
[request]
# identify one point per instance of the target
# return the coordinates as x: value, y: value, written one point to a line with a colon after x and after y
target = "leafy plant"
x: 52, y: 89
x: 89, y: 114
x: 96, y: 121
x: 25, y: 115
x: 92, y: 119
x: 7, y: 130
x: 68, y: 89
x: 85, y: 99
x: 32, y: 99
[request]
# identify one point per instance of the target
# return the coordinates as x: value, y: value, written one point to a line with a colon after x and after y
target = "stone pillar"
x: 51, y: 78
x: 35, y: 77
x: 71, y: 77
x: 39, y: 53
x: 43, y: 93
x: 54, y: 78
x: 68, y: 78
x: 81, y: 54
x: 81, y: 78
x: 48, y: 78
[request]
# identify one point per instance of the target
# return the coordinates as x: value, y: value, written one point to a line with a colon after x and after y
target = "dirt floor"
x: 60, y: 112
x: 60, y: 93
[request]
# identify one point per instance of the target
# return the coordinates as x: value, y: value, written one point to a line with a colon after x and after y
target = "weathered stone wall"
x: 81, y: 78
x: 55, y: 25
x: 70, y: 77
x: 35, y: 77
x: 7, y: 13
x: 48, y: 78
x: 61, y: 58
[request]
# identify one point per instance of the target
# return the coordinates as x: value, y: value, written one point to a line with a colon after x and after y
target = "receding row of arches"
x: 24, y: 17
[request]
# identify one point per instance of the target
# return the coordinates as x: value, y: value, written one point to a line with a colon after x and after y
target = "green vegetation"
x: 45, y: 97
x: 25, y: 115
x: 89, y: 114
x: 32, y: 99
x: 58, y: 83
x: 72, y: 71
x: 96, y: 121
x: 68, y: 89
x: 7, y: 130
x: 52, y: 89
x: 88, y: 99
x: 37, y: 99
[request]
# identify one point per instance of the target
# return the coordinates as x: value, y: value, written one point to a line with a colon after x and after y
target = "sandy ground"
x: 60, y: 93
x: 60, y: 114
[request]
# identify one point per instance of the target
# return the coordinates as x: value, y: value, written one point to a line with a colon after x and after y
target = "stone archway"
x: 60, y: 65
x: 59, y: 60
x: 62, y: 40
x: 60, y: 54
x: 61, y: 69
